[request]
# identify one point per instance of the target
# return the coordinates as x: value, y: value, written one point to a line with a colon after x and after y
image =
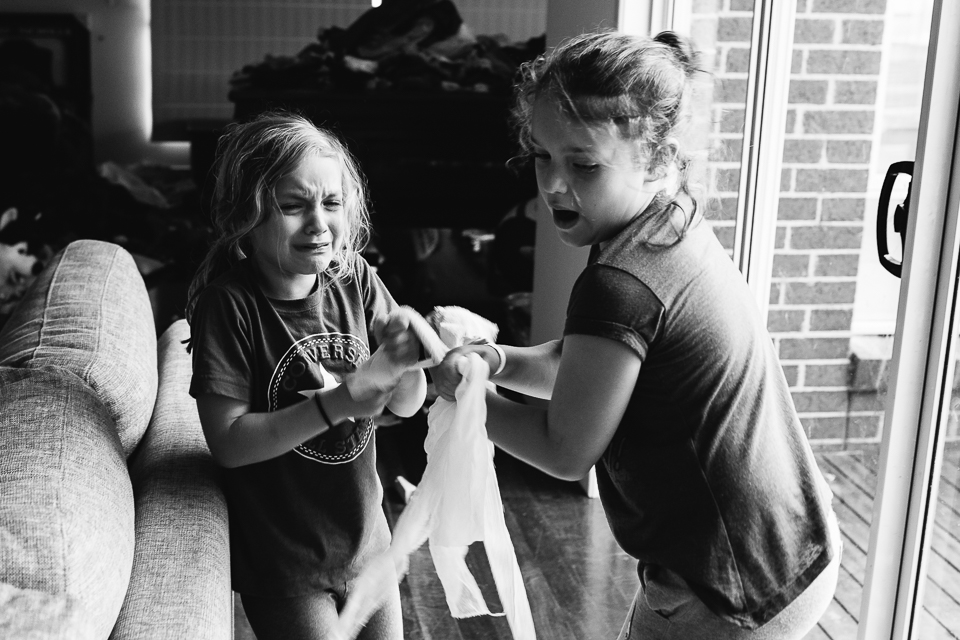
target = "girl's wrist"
x: 501, y: 359
x: 327, y: 420
x: 495, y: 358
x: 332, y: 406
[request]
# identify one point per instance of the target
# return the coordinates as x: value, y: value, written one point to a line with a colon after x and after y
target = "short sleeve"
x: 222, y: 352
x: 610, y: 303
x: 377, y: 300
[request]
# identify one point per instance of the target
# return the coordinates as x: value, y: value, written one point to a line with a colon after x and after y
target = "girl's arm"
x: 237, y: 437
x: 531, y: 371
x: 594, y: 383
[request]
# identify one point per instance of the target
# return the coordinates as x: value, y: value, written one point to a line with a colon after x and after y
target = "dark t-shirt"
x: 310, y: 518
x: 709, y: 473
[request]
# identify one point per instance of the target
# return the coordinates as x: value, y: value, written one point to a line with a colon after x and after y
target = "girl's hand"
x: 446, y: 375
x: 399, y: 341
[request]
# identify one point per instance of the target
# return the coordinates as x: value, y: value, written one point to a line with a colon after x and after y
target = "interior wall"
x: 120, y: 71
x: 556, y: 265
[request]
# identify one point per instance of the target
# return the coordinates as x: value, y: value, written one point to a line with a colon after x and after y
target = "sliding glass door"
x: 818, y: 110
x: 915, y: 535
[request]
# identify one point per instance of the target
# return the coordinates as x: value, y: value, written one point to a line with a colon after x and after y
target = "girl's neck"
x: 664, y: 219
x: 286, y: 286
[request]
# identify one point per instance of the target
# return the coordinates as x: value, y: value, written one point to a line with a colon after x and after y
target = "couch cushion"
x: 180, y: 586
x: 89, y: 313
x: 66, y: 514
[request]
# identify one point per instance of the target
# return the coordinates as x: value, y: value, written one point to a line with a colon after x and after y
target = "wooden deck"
x: 852, y: 475
x: 580, y: 583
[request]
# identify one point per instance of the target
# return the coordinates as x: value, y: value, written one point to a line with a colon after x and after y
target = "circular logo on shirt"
x: 321, y: 361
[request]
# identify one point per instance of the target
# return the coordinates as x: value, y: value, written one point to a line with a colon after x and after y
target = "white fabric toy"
x: 456, y: 503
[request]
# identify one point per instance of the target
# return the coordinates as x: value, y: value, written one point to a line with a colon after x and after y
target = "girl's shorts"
x: 666, y: 608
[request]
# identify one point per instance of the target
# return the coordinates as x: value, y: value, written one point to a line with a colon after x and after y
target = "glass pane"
x: 939, y: 616
x: 722, y: 35
x: 854, y: 108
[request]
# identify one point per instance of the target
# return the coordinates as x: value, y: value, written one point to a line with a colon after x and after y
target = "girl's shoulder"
x: 363, y: 275
x: 696, y: 261
x: 377, y: 298
x: 633, y: 247
x: 236, y: 284
x: 361, y: 268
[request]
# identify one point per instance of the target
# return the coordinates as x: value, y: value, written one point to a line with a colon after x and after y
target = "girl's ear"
x: 668, y: 150
x: 664, y: 161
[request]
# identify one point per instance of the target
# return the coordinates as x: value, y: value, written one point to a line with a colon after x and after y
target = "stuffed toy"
x: 18, y: 267
x: 456, y: 326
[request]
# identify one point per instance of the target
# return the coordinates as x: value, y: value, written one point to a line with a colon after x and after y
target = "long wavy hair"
x: 643, y: 87
x: 252, y: 157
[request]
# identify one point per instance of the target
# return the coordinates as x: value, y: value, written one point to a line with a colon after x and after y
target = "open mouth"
x: 565, y: 218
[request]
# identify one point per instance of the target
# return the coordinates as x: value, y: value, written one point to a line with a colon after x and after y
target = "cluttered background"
x: 420, y: 99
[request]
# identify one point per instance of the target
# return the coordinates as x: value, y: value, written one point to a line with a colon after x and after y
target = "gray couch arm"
x: 180, y: 584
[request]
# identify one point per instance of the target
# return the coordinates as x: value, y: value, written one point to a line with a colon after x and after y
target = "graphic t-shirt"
x: 709, y: 473
x: 310, y: 518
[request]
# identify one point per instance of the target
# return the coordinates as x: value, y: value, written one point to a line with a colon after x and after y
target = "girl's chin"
x: 310, y: 260
x: 304, y: 268
x: 572, y: 238
x: 570, y: 242
x: 319, y: 266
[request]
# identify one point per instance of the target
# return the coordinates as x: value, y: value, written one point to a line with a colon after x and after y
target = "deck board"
x: 853, y: 479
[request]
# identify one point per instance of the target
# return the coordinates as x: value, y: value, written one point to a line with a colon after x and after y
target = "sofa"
x: 112, y: 519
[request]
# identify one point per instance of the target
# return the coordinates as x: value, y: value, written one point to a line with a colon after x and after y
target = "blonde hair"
x: 252, y: 157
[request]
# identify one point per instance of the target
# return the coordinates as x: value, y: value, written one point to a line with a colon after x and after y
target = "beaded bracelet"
x: 323, y: 414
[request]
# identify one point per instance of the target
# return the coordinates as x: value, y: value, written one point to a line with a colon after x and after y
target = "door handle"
x: 900, y: 214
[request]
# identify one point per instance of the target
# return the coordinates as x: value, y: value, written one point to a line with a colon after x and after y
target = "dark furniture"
x: 432, y: 159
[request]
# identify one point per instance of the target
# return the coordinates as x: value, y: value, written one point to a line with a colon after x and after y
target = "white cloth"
x: 456, y: 503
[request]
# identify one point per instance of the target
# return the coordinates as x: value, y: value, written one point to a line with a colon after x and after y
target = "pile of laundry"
x: 402, y: 45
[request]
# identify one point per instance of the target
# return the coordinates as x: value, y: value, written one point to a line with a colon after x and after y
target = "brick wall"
x: 830, y: 136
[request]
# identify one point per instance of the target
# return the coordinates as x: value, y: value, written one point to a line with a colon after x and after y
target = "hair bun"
x: 682, y: 48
